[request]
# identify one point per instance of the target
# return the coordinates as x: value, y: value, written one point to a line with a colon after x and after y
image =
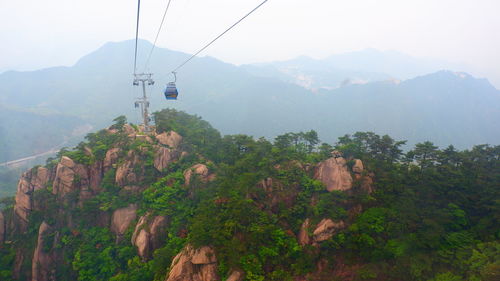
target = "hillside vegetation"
x: 186, y: 203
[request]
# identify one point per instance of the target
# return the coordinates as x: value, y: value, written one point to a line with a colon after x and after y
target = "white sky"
x: 43, y: 33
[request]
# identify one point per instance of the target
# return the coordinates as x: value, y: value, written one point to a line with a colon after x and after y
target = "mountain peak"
x: 454, y: 77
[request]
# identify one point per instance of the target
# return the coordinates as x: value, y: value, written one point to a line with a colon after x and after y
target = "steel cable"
x: 222, y: 34
x: 157, y: 35
x: 137, y: 35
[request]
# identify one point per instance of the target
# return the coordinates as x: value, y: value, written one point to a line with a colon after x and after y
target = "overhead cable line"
x: 157, y: 34
x: 137, y: 35
x: 222, y: 34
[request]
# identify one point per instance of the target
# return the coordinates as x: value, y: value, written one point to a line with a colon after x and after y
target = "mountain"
x: 442, y: 107
x: 185, y: 203
x: 359, y: 67
x: 236, y: 100
x: 314, y: 74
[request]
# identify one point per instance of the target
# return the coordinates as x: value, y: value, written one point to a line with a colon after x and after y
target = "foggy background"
x: 38, y: 34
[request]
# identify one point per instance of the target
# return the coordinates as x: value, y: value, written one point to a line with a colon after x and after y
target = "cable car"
x: 171, y: 92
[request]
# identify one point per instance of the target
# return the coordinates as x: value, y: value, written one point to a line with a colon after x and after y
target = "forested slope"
x: 185, y: 203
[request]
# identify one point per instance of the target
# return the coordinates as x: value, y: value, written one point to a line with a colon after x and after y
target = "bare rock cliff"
x: 111, y: 158
x: 236, y: 275
x: 199, y: 170
x: 194, y: 265
x: 334, y: 174
x: 122, y: 218
x: 166, y: 155
x: 170, y: 139
x: 326, y: 228
x: 149, y: 235
x: 29, y: 182
x: 44, y: 260
x: 125, y: 173
x: 303, y: 236
x: 357, y: 168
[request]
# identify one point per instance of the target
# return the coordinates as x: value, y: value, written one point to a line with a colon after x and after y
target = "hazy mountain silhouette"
x: 359, y: 67
x: 443, y: 107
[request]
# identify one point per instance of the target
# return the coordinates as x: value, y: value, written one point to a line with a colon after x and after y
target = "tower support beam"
x: 144, y: 79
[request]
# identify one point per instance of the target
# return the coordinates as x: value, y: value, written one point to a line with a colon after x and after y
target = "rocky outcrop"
x: 194, y: 265
x: 129, y: 130
x: 170, y: 139
x: 2, y: 228
x: 111, y: 158
x: 65, y: 176
x: 44, y: 261
x: 168, y: 151
x: 95, y: 174
x: 164, y: 156
x: 357, y: 168
x: 84, y: 180
x: 41, y: 178
x: 199, y: 170
x: 125, y: 173
x: 334, y: 173
x: 23, y: 200
x: 29, y: 182
x: 325, y: 230
x: 236, y: 275
x: 149, y: 235
x: 71, y: 177
x: 304, y: 233
x: 122, y: 218
x: 141, y: 241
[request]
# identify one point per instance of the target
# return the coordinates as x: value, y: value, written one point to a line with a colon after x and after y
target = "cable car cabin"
x: 171, y: 92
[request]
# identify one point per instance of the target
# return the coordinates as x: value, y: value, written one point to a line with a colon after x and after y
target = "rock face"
x: 29, y: 182
x: 44, y: 264
x: 303, y: 233
x: 148, y: 235
x: 111, y: 158
x: 325, y: 229
x: 170, y: 139
x: 194, y: 265
x: 125, y: 173
x: 235, y: 276
x: 164, y: 156
x: 122, y: 218
x: 200, y: 170
x: 129, y: 130
x: 2, y: 228
x: 357, y: 168
x: 71, y: 177
x: 65, y: 176
x: 334, y: 174
x: 142, y: 243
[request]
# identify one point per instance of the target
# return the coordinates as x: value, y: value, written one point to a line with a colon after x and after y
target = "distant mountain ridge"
x: 358, y: 67
x: 259, y: 100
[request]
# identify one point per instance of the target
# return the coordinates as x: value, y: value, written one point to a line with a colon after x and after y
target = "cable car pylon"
x: 144, y: 79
